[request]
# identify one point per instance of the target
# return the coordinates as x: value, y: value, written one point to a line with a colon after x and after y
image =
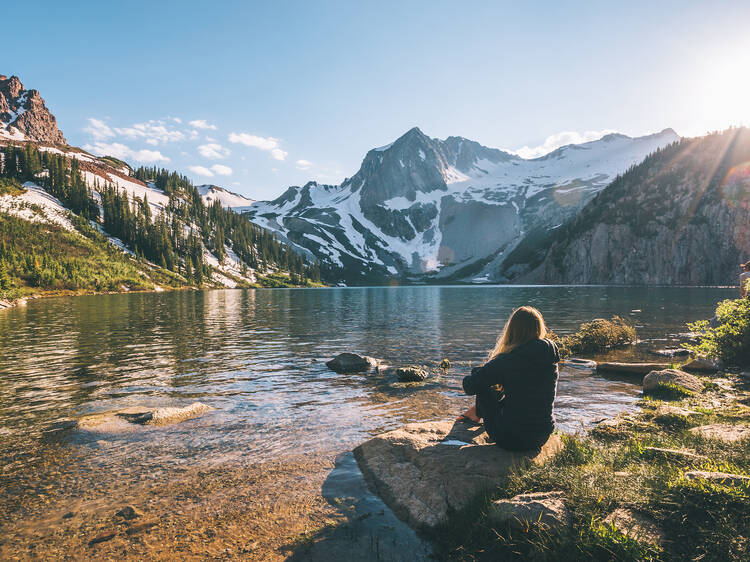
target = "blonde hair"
x: 525, y: 324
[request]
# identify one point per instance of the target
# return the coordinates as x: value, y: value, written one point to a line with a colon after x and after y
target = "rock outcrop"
x: 424, y: 470
x: 656, y: 379
x: 541, y: 510
x: 24, y: 115
x: 629, y: 368
x: 704, y: 365
x: 655, y: 223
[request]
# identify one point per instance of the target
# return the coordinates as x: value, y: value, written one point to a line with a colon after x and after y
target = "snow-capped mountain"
x: 228, y: 199
x: 422, y: 208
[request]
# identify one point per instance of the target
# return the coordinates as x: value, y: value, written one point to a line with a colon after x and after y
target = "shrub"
x: 730, y: 339
x: 597, y: 335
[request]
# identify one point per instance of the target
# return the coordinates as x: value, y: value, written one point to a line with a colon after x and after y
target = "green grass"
x: 669, y: 391
x: 700, y: 520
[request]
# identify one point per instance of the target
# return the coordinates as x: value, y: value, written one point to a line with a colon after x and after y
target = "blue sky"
x: 282, y: 92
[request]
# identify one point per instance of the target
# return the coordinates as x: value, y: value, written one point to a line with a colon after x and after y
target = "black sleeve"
x: 489, y: 374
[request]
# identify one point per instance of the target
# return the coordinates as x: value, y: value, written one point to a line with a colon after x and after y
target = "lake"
x: 256, y: 357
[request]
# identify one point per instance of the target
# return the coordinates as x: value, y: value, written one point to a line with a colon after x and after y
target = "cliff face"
x: 24, y: 115
x: 680, y: 217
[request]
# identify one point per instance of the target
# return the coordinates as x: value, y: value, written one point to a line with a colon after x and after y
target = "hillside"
x: 682, y: 216
x: 423, y: 209
x: 70, y: 221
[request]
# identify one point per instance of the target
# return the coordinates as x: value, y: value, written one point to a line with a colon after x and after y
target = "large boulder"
x: 656, y: 379
x: 629, y: 368
x: 423, y: 470
x: 351, y: 363
x: 543, y: 510
x: 723, y: 432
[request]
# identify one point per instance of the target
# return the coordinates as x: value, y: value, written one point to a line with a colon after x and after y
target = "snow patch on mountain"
x: 228, y: 199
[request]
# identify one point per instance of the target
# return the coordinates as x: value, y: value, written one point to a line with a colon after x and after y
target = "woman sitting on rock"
x: 516, y: 388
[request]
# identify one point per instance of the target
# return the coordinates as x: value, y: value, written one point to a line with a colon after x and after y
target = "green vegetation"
x: 595, y: 336
x: 730, y: 339
x: 612, y: 468
x: 174, y: 240
x: 669, y: 391
x: 38, y: 257
x: 11, y: 187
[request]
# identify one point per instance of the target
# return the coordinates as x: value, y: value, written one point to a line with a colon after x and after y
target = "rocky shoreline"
x: 689, y: 436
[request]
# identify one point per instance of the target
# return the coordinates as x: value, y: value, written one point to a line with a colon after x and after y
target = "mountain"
x: 682, y: 216
x: 422, y: 209
x: 226, y: 198
x: 72, y: 221
x: 24, y: 115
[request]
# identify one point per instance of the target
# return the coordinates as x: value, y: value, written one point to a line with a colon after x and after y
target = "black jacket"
x: 528, y: 375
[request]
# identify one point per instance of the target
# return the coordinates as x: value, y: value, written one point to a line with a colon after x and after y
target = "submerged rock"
x: 411, y: 373
x: 655, y: 379
x: 351, y: 363
x: 635, y: 525
x: 723, y: 432
x: 576, y: 363
x: 544, y: 510
x: 129, y: 513
x: 130, y: 418
x: 719, y: 477
x: 423, y: 470
x: 704, y: 365
x: 630, y: 368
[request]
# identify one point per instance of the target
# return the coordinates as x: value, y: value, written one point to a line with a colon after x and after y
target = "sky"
x: 257, y: 96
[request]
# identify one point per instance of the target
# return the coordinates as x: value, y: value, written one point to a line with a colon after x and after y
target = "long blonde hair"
x: 525, y: 324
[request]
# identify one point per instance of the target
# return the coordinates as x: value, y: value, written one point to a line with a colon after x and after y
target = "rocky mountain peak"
x: 24, y: 115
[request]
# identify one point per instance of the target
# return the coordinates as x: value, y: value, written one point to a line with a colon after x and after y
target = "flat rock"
x: 654, y: 379
x: 577, y: 363
x: 545, y: 510
x: 723, y: 432
x: 704, y: 365
x: 671, y: 352
x: 630, y: 368
x: 720, y: 477
x: 668, y: 410
x: 351, y: 363
x: 423, y: 470
x: 411, y: 373
x: 129, y: 419
x: 635, y: 525
x: 674, y: 454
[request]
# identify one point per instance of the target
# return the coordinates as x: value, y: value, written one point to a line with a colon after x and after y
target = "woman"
x: 516, y: 388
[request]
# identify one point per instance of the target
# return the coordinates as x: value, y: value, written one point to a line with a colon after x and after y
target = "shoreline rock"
x: 543, y: 510
x: 655, y: 379
x: 613, y: 367
x: 423, y: 471
x: 411, y: 373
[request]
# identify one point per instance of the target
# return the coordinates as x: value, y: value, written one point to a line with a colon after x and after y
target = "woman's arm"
x: 489, y: 374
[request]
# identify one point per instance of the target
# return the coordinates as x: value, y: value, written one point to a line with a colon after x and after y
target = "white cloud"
x: 98, y: 129
x: 153, y: 131
x: 201, y: 171
x: 269, y: 144
x: 217, y: 169
x: 303, y: 164
x: 554, y: 142
x: 222, y: 170
x: 201, y: 124
x: 124, y: 152
x: 213, y: 150
x: 176, y: 119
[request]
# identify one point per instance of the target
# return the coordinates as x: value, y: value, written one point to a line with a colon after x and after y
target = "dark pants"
x: 489, y: 404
